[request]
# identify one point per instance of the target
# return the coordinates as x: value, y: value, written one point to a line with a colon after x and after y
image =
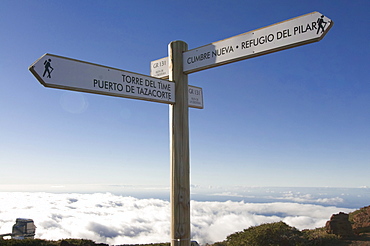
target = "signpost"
x: 65, y: 73
x: 70, y: 74
x: 179, y: 143
x: 291, y: 33
x: 298, y: 31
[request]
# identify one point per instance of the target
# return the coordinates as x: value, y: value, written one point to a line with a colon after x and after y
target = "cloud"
x: 102, y: 230
x: 114, y: 219
x: 309, y: 198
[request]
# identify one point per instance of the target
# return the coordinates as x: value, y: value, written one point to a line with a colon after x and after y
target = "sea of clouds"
x: 118, y: 219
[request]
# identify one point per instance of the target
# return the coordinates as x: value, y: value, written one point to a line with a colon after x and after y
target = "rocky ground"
x: 362, y: 240
x: 355, y: 226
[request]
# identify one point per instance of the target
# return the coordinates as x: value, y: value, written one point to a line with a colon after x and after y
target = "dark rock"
x: 339, y: 225
x: 361, y: 220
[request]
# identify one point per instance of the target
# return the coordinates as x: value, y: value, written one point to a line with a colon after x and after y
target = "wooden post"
x: 179, y: 143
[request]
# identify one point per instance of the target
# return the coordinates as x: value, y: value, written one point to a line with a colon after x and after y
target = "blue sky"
x: 298, y: 117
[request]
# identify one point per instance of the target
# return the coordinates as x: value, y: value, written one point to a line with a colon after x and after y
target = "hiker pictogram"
x: 48, y: 68
x: 322, y: 24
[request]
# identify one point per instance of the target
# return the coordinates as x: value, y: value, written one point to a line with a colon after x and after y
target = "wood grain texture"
x: 179, y: 143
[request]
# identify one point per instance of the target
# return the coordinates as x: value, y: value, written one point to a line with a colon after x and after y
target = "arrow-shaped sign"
x: 291, y: 33
x: 298, y: 31
x: 70, y: 74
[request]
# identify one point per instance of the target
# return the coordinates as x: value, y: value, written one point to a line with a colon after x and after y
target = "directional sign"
x: 159, y: 68
x: 302, y: 30
x: 65, y: 73
x: 70, y: 74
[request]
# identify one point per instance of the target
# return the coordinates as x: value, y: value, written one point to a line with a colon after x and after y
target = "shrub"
x: 272, y: 234
x: 27, y: 242
x: 319, y: 237
x: 79, y: 242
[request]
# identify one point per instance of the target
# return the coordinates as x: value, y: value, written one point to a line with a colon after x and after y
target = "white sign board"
x: 159, y: 68
x: 302, y: 30
x: 70, y: 74
x: 65, y: 73
x: 195, y: 97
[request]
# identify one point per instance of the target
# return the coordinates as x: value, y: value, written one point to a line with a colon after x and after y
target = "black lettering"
x: 283, y: 34
x: 295, y: 29
x: 164, y: 86
x: 255, y: 42
x: 132, y: 79
x: 261, y: 40
x: 200, y: 57
x: 314, y: 27
x: 279, y: 35
x: 222, y: 51
x: 119, y: 87
x: 308, y: 27
x: 130, y: 88
x: 150, y: 83
x: 270, y: 37
x: 108, y: 85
